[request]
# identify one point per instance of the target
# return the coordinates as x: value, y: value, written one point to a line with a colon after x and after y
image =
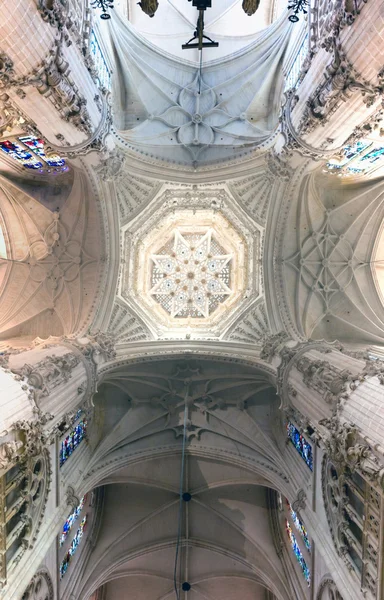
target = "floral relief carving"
x: 347, y: 448
x: 271, y: 345
x: 340, y: 80
x: 323, y: 377
x: 47, y: 374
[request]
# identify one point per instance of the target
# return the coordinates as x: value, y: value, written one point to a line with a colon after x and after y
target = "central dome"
x: 189, y: 262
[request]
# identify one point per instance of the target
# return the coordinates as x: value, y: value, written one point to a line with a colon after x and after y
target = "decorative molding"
x: 254, y: 193
x: 340, y: 80
x: 329, y: 18
x: 34, y: 435
x: 329, y: 381
x: 327, y: 589
x: 41, y: 586
x: 10, y: 453
x: 7, y: 72
x: 346, y: 447
x: 49, y: 373
x: 110, y: 166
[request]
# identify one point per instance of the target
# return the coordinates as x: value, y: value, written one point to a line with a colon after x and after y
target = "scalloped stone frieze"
x: 254, y: 194
x: 132, y: 192
x: 125, y: 326
x: 253, y: 327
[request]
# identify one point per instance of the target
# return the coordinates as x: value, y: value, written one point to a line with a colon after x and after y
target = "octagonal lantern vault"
x: 190, y: 263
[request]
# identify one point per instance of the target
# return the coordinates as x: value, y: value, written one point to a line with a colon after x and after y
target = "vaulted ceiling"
x: 231, y: 460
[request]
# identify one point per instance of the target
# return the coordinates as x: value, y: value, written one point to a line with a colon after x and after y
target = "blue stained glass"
x: 71, y: 519
x: 20, y: 154
x: 37, y: 146
x: 72, y: 441
x: 300, y: 527
x: 298, y: 554
x: 352, y: 151
x: 103, y: 73
x: 301, y: 444
x: 72, y: 548
x: 374, y: 155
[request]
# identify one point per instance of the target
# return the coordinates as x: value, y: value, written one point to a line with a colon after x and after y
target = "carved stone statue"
x: 271, y: 345
x: 149, y: 7
x: 10, y: 453
x: 323, y: 377
x: 250, y: 6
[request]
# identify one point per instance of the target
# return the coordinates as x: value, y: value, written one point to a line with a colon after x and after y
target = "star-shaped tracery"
x: 191, y: 275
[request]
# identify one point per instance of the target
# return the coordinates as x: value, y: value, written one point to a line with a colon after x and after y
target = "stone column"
x: 339, y: 393
x: 363, y: 404
x: 53, y: 377
x: 313, y: 377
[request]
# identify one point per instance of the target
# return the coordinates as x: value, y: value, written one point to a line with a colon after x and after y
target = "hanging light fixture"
x: 104, y: 5
x: 297, y: 6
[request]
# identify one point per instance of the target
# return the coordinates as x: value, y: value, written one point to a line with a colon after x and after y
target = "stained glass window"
x: 301, y: 444
x: 21, y: 154
x: 71, y: 519
x: 354, y: 154
x: 374, y: 155
x: 103, y: 73
x: 72, y: 441
x: 300, y: 527
x: 298, y: 553
x: 37, y: 146
x: 72, y: 548
x: 31, y: 154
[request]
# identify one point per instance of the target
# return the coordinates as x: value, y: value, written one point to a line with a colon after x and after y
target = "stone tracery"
x: 191, y: 274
